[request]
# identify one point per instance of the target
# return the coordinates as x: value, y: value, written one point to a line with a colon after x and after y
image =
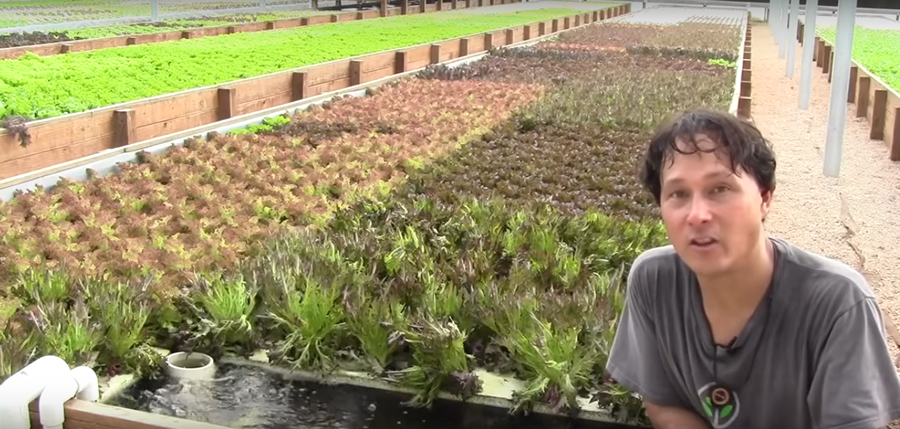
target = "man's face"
x: 713, y: 217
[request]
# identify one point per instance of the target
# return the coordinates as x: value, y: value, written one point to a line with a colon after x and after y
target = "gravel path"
x: 851, y: 218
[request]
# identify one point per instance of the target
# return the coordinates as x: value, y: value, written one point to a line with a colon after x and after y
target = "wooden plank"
x: 509, y: 36
x: 820, y: 53
x: 746, y: 75
x: 831, y: 66
x: 854, y: 75
x: 542, y: 28
x: 596, y: 16
x: 744, y: 107
x: 526, y: 33
x: 400, y: 62
x: 895, y: 135
x: 267, y: 102
x: 488, y: 41
x: 879, y: 107
x: 862, y: 97
x: 577, y: 20
x: 418, y: 57
x: 404, y: 7
x: 176, y: 124
x: 476, y: 44
x: 53, y: 134
x: 448, y: 51
x: 746, y: 63
x: 826, y: 59
x: 555, y: 26
x: 299, y: 85
x: 84, y: 414
x: 464, y: 46
x: 337, y: 70
x: 746, y: 89
x: 435, y: 54
x: 378, y: 62
x: 124, y: 126
x: 10, y: 167
x: 356, y: 72
x: 816, y: 50
x: 567, y: 23
x: 165, y: 108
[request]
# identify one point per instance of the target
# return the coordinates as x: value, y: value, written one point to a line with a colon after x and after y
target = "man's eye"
x: 720, y: 189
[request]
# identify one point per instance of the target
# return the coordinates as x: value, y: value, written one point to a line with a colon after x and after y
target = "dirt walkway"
x: 852, y: 218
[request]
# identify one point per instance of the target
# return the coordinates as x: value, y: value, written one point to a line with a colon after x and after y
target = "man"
x: 730, y: 328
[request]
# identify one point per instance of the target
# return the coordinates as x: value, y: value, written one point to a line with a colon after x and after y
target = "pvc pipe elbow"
x: 53, y: 399
x: 88, y: 385
x: 17, y: 392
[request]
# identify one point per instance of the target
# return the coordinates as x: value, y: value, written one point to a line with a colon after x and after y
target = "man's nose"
x: 700, y: 212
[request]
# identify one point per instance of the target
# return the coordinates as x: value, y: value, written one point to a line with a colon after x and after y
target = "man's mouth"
x: 704, y: 242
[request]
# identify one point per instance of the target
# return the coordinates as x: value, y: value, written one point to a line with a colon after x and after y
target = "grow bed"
x: 466, y: 270
x: 39, y: 37
x: 32, y: 12
x: 245, y: 396
x: 874, y: 49
x: 94, y: 79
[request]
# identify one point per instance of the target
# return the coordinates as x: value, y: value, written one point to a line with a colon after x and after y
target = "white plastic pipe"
x: 792, y: 38
x: 17, y: 392
x: 809, y: 43
x: 52, y: 399
x: 840, y: 86
x: 81, y: 382
x: 88, y: 384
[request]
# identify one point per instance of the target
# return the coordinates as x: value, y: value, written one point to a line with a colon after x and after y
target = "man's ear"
x: 766, y: 204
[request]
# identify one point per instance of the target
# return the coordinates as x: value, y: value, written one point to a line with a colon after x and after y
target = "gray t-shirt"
x: 822, y: 360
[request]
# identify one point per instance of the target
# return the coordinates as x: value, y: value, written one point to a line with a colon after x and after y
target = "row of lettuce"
x: 23, y: 13
x: 874, y: 49
x: 478, y: 217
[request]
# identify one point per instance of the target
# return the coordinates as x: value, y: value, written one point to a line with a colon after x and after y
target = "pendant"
x: 720, y: 395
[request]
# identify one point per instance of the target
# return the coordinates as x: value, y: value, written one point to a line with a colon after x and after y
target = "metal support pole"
x: 154, y: 10
x: 840, y: 85
x: 782, y: 28
x: 809, y: 45
x: 792, y: 38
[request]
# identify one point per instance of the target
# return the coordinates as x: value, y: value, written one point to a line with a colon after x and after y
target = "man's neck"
x: 742, y: 289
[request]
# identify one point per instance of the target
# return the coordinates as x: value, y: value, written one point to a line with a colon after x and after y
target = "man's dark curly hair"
x: 737, y: 140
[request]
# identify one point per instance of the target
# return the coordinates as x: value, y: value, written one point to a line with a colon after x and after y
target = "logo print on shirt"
x: 720, y: 405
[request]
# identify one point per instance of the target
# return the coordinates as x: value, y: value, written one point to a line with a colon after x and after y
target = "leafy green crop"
x: 44, y: 87
x: 876, y: 50
x: 179, y: 24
